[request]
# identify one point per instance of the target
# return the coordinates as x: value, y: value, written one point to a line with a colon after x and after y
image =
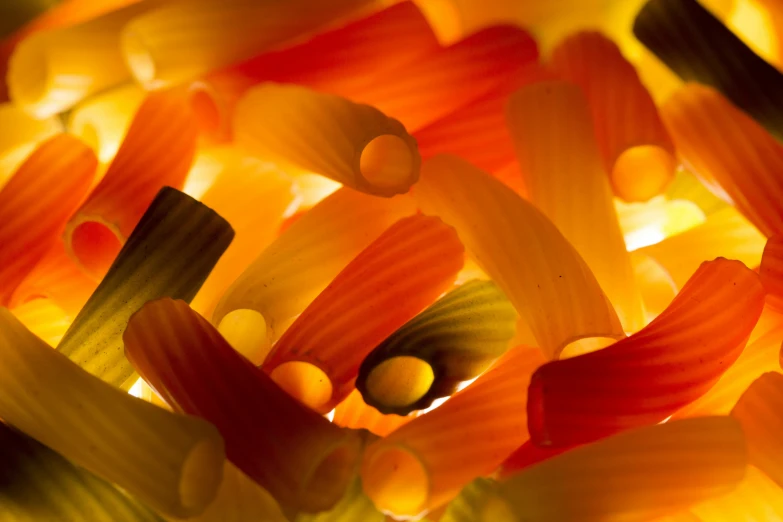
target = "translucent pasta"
x: 635, y: 147
x: 39, y: 484
x: 528, y: 258
x: 302, y: 459
x: 572, y: 189
x: 354, y: 413
x: 19, y: 135
x: 756, y: 499
x: 169, y: 461
x: 50, y: 71
x: 43, y: 318
x: 157, y: 151
x: 36, y: 202
x: 355, y: 506
x: 405, y: 269
x: 724, y: 146
x: 169, y: 254
x: 698, y: 47
x: 426, y: 462
x: 654, y: 283
x: 353, y: 144
x: 771, y: 271
x: 457, y: 338
x: 183, y: 39
x: 299, y: 264
x: 631, y: 383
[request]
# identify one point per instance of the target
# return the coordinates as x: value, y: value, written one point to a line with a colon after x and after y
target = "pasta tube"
x: 354, y: 413
x: 36, y: 203
x: 756, y: 499
x: 414, y: 468
x: 171, y: 462
x: 543, y: 276
x: 389, y: 282
x: 43, y: 318
x: 724, y: 146
x: 170, y: 253
x: 157, y: 151
x: 302, y: 459
x: 183, y: 39
x: 19, y: 136
x: 458, y: 337
x: 654, y: 283
x: 299, y: 264
x: 572, y: 189
x: 308, y: 131
x: 698, y: 47
x: 631, y: 383
x: 771, y: 271
x: 355, y: 506
x: 40, y: 484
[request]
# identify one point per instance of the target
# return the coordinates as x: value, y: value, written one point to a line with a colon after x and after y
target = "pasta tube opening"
x: 383, y: 381
x: 407, y: 490
x: 198, y: 480
x: 248, y: 333
x: 95, y: 244
x: 387, y: 162
x: 305, y: 382
x: 641, y: 172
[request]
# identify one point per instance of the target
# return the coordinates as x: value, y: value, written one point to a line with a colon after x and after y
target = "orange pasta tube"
x: 725, y: 146
x: 299, y: 264
x: 157, y: 151
x: 635, y: 147
x: 308, y: 131
x: 19, y: 135
x: 771, y: 271
x: 724, y: 234
x: 631, y: 477
x: 631, y: 383
x: 252, y: 196
x: 341, y: 62
x: 413, y: 469
x: 354, y: 413
x: 43, y: 318
x: 302, y: 459
x: 183, y: 39
x: 655, y: 285
x: 388, y: 283
x: 756, y: 499
x: 525, y: 254
x: 572, y: 190
x: 650, y: 222
x: 36, y: 202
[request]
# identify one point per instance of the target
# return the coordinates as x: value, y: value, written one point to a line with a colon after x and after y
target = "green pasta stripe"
x: 459, y: 336
x: 698, y: 47
x: 169, y: 254
x: 473, y: 503
x: 37, y: 484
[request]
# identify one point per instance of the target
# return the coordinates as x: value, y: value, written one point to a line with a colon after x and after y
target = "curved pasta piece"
x: 457, y: 338
x: 157, y: 151
x: 299, y: 264
x: 183, y: 39
x: 476, y: 503
x: 525, y: 254
x: 756, y: 499
x: 37, y: 484
x: 304, y: 130
x: 171, y: 462
x: 170, y: 253
x: 341, y: 62
x: 51, y: 71
x: 43, y: 318
x: 354, y: 413
x: 389, y: 282
x: 698, y: 47
x: 102, y: 121
x: 633, y: 382
x: 253, y: 197
x: 414, y: 468
x: 724, y: 146
x: 36, y: 203
x: 771, y: 271
x: 759, y: 412
x: 19, y: 136
x: 303, y: 460
x: 528, y: 454
x: 725, y: 233
x: 355, y: 506
x: 632, y: 476
x: 572, y: 189
x: 655, y: 285
x: 634, y: 145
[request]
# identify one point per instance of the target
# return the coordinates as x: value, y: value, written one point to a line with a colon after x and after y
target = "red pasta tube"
x: 647, y: 377
x: 771, y: 271
x: 36, y: 203
x: 306, y: 462
x: 389, y: 282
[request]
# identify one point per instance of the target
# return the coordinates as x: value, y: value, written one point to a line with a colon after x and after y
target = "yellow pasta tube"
x: 184, y: 39
x: 649, y: 222
x: 354, y: 413
x: 725, y: 233
x: 43, y: 318
x: 252, y: 196
x: 756, y: 499
x: 51, y: 71
x: 304, y: 130
x: 19, y: 134
x: 654, y: 283
x: 172, y: 462
x: 571, y: 188
x: 542, y: 274
x: 426, y: 462
x: 299, y: 264
x: 101, y: 121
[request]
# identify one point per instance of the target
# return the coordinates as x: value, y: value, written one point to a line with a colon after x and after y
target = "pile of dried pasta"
x: 364, y: 260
